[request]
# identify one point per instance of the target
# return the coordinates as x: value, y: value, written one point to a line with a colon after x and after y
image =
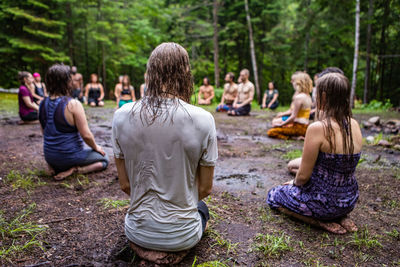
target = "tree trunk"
x: 355, y: 61
x: 368, y: 62
x: 215, y: 41
x: 307, y: 39
x: 382, y: 50
x: 252, y: 52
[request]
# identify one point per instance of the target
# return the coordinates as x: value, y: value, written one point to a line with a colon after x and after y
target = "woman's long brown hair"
x: 168, y: 76
x: 333, y: 101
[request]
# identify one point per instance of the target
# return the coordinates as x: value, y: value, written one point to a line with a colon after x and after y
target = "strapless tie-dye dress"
x: 331, y: 192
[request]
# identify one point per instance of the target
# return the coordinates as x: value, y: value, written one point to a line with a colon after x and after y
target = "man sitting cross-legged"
x: 230, y: 93
x: 242, y: 104
x: 165, y: 150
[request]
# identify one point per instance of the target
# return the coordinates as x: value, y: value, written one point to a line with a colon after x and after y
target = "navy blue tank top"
x: 62, y: 141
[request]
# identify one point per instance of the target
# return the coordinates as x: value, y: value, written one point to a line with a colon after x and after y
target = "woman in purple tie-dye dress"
x: 325, y: 189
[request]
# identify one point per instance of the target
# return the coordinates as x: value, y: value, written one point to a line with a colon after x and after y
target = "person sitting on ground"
x: 325, y: 189
x: 39, y: 88
x: 124, y: 93
x: 77, y: 84
x: 165, y: 151
x: 65, y: 129
x: 118, y: 87
x: 230, y: 93
x: 94, y: 92
x: 270, y: 99
x: 206, y: 93
x: 242, y: 103
x: 143, y: 87
x: 28, y: 109
x: 296, y: 124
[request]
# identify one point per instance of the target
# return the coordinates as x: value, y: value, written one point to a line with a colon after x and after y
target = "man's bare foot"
x: 62, y: 175
x: 348, y: 224
x: 332, y: 227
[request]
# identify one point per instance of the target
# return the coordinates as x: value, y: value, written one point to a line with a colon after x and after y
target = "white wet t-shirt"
x: 161, y: 161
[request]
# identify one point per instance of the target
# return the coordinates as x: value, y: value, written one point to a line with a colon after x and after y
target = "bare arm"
x: 34, y: 94
x: 273, y: 100
x: 117, y: 93
x: 101, y: 93
x: 223, y: 98
x: 212, y: 94
x: 44, y: 89
x: 122, y: 176
x: 80, y: 121
x: 205, y: 175
x: 29, y: 103
x: 142, y: 90
x: 296, y: 108
x: 86, y: 93
x: 312, y: 144
x: 264, y: 100
x: 199, y: 96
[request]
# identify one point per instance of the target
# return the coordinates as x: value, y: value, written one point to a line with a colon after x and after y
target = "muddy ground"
x: 81, y: 231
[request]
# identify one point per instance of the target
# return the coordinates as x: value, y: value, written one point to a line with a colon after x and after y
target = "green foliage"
x: 362, y: 238
x: 272, y: 245
x: 28, y: 181
x: 376, y: 105
x: 114, y: 203
x: 209, y: 263
x: 292, y: 154
x: 16, y: 229
x: 221, y: 241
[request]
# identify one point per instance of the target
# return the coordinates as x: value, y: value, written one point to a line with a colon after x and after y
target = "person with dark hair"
x: 325, y: 189
x: 124, y: 93
x: 242, y: 104
x: 165, y: 151
x: 295, y: 124
x: 230, y: 93
x: 294, y: 164
x: 65, y: 128
x: 206, y: 93
x: 27, y: 106
x: 39, y: 88
x: 270, y: 99
x: 94, y: 92
x: 77, y: 84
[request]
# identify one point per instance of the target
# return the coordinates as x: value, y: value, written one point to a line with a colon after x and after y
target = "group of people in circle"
x: 165, y: 149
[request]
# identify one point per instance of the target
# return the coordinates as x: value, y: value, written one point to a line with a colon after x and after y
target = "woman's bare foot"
x: 62, y: 175
x: 332, y: 227
x: 348, y: 224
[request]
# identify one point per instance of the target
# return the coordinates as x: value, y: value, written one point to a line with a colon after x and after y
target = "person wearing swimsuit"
x: 39, y: 88
x: 124, y: 93
x: 230, y: 92
x: 65, y: 129
x: 94, y: 92
x: 325, y: 189
x: 296, y: 124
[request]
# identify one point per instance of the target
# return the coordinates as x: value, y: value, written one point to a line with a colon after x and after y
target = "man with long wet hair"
x: 165, y: 151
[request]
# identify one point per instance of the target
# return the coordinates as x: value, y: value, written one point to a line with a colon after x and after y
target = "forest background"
x: 114, y: 37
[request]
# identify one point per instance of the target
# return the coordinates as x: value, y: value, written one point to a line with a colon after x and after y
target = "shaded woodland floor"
x: 80, y: 221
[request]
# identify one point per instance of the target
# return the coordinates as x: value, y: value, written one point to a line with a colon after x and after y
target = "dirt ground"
x: 82, y: 231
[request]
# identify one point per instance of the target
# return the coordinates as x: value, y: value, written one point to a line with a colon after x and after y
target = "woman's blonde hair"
x: 304, y: 83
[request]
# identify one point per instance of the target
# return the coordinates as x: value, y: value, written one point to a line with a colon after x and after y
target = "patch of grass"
x: 16, y: 229
x: 229, y: 196
x: 266, y: 215
x: 221, y: 241
x: 362, y: 238
x: 393, y: 204
x: 272, y: 245
x: 394, y: 233
x: 209, y: 263
x: 292, y: 154
x: 112, y: 203
x: 28, y: 181
x: 9, y: 104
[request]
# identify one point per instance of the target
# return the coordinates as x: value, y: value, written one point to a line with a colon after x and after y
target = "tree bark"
x: 383, y: 48
x: 368, y: 61
x: 355, y: 61
x: 252, y: 52
x: 215, y: 41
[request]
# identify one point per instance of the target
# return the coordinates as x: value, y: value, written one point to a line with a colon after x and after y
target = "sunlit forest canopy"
x: 114, y: 37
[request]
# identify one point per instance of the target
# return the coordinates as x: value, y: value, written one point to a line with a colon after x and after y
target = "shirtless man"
x: 206, y: 93
x: 230, y: 92
x: 242, y: 104
x: 77, y: 84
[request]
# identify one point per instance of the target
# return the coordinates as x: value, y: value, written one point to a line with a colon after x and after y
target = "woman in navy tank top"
x: 65, y: 129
